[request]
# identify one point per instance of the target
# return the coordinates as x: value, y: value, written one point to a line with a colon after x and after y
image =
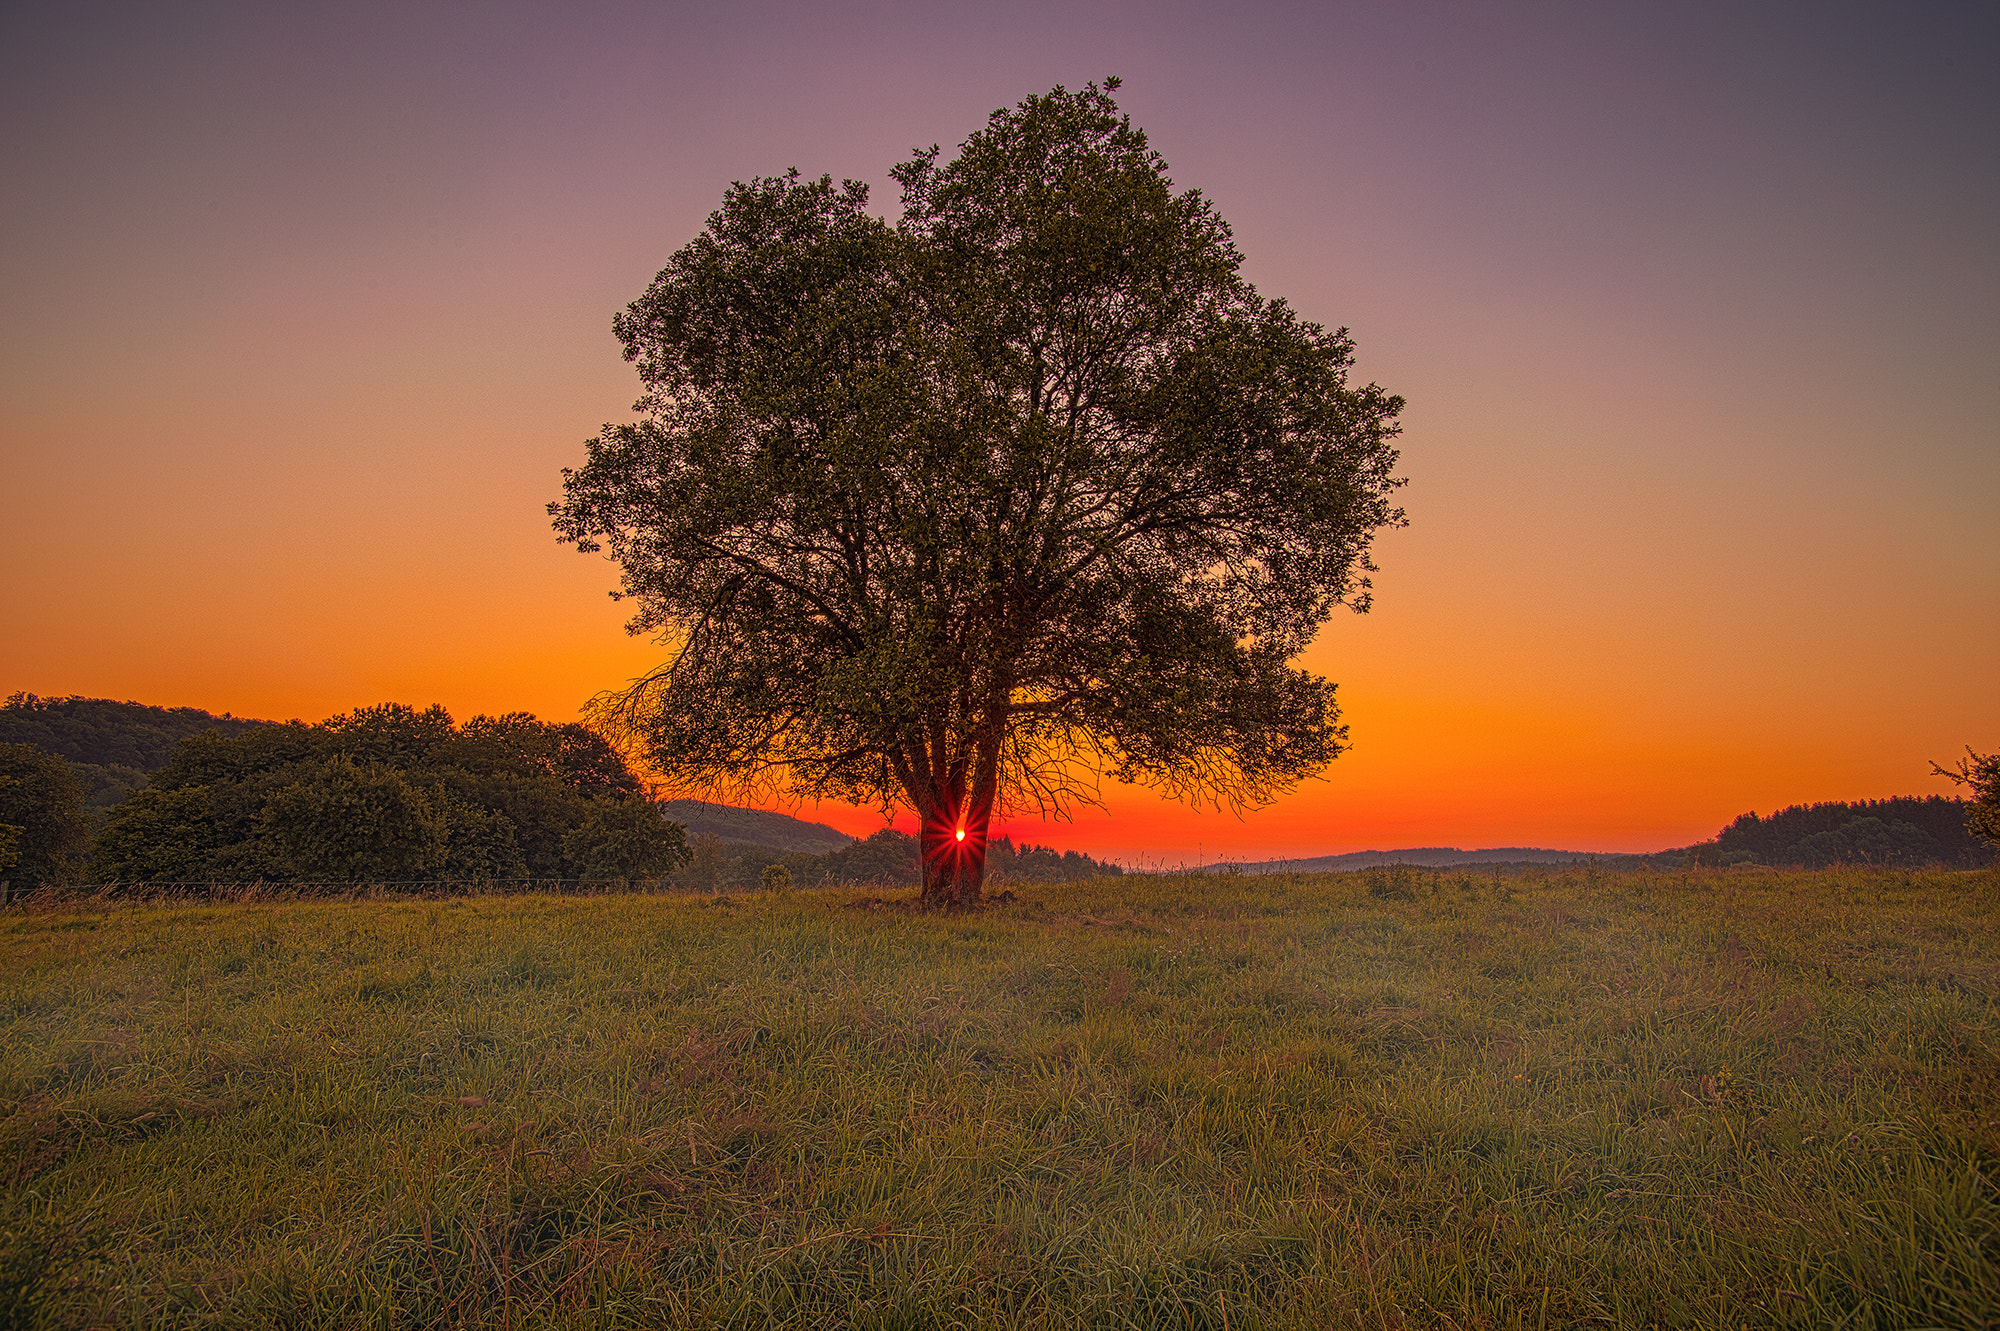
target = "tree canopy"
x: 1027, y: 487
x: 1908, y: 830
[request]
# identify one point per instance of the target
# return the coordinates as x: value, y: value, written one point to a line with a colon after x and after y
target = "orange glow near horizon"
x: 1700, y: 436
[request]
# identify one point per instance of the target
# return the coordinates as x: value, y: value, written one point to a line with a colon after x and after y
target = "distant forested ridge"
x: 1433, y: 857
x: 887, y: 858
x: 1908, y: 831
x: 113, y: 747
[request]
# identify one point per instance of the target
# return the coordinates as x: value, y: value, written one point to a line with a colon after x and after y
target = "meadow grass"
x: 1398, y: 1098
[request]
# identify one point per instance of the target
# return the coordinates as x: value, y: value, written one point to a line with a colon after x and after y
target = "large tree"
x: 1025, y: 488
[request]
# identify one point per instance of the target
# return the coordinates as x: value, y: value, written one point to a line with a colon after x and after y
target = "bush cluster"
x: 389, y: 793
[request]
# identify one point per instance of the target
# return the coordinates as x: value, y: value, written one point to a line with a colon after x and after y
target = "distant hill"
x: 1432, y: 857
x: 1909, y: 831
x: 113, y: 746
x: 106, y: 733
x: 756, y: 828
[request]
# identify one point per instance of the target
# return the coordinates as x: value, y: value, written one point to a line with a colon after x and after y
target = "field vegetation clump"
x: 1396, y: 1098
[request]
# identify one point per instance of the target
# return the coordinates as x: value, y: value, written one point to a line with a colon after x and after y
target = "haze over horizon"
x: 1696, y: 310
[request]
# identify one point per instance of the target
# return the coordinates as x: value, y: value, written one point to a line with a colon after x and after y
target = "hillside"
x: 755, y: 828
x: 1430, y: 857
x: 1907, y: 831
x: 114, y: 746
x: 100, y: 732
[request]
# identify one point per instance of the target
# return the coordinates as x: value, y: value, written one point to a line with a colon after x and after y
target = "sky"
x: 1696, y: 308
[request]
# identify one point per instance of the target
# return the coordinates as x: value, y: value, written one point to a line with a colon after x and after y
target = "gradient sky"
x: 1696, y: 307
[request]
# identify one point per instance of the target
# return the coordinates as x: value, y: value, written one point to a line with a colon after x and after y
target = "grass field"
x: 1388, y: 1099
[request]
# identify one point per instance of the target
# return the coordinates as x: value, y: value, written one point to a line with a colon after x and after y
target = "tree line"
x: 379, y: 794
x: 395, y: 794
x: 1908, y: 831
x: 387, y: 794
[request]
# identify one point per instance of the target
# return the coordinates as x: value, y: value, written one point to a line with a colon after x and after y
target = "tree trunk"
x: 952, y: 828
x: 954, y: 851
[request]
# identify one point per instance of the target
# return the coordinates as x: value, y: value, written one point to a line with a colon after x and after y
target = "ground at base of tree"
x: 1388, y: 1098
